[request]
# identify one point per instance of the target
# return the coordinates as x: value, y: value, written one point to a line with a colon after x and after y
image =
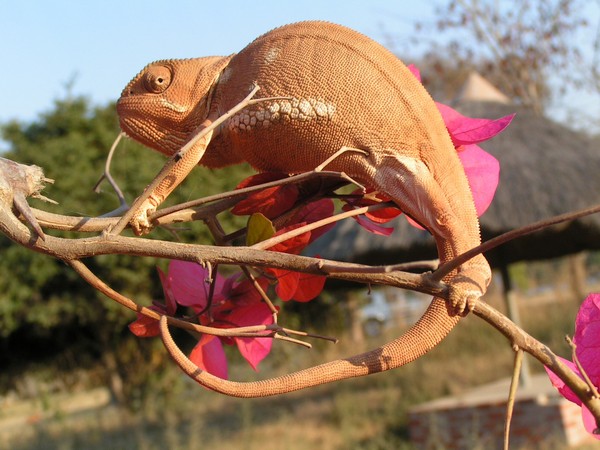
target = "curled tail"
x: 433, y: 326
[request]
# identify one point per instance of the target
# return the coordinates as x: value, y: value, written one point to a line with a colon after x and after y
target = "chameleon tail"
x: 429, y: 331
x: 412, y: 186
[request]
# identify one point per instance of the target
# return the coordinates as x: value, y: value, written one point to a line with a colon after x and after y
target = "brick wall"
x: 548, y: 419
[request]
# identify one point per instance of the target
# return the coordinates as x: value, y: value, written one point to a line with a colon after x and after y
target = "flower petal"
x: 560, y: 385
x: 144, y: 326
x: 384, y: 215
x: 244, y: 293
x: 261, y: 178
x: 271, y: 202
x: 188, y: 283
x: 373, y: 227
x: 287, y: 283
x: 313, y: 212
x: 465, y: 130
x: 372, y: 197
x: 587, y: 331
x: 293, y: 245
x: 254, y: 350
x: 208, y: 355
x: 415, y: 71
x: 309, y: 287
x: 483, y: 173
x: 589, y: 421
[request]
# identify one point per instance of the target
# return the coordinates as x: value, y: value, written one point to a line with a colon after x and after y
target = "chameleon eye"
x: 157, y: 79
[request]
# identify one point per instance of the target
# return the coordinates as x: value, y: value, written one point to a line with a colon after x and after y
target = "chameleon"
x: 327, y: 88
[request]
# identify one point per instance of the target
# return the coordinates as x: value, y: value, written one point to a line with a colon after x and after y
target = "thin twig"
x: 263, y: 295
x: 512, y: 394
x: 107, y: 175
x: 448, y: 267
x: 310, y: 335
x: 582, y: 371
x: 337, y: 154
x: 268, y: 243
x: 413, y: 266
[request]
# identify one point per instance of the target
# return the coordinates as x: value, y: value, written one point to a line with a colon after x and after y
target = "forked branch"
x: 74, y: 250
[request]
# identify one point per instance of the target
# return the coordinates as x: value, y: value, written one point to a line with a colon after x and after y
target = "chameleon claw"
x: 462, y: 300
x: 140, y: 222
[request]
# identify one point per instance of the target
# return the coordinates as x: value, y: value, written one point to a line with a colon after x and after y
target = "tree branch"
x: 73, y: 250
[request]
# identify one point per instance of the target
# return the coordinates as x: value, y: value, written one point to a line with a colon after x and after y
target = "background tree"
x: 48, y: 315
x: 531, y: 50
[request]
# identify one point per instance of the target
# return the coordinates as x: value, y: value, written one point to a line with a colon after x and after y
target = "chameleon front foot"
x: 463, y: 299
x: 140, y: 223
x: 467, y: 287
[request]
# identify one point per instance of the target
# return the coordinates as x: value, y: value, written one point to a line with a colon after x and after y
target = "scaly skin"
x: 346, y: 91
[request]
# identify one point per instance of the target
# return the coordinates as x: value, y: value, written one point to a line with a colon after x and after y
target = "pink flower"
x: 587, y: 333
x: 233, y: 304
x: 481, y: 168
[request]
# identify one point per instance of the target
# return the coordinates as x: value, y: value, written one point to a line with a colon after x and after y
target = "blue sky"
x: 101, y: 45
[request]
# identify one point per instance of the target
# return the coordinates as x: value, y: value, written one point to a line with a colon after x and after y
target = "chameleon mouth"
x: 151, y: 134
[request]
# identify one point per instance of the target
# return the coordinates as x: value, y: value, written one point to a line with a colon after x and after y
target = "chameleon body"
x: 334, y: 88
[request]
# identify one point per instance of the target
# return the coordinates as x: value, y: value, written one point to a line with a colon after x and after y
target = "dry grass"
x: 367, y: 413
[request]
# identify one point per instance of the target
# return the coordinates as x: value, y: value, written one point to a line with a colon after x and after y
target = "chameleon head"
x: 164, y: 103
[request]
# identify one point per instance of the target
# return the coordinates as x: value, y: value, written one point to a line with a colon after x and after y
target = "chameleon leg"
x: 412, y: 186
x: 170, y: 176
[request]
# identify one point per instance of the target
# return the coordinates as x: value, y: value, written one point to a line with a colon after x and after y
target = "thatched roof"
x: 477, y: 88
x: 546, y: 169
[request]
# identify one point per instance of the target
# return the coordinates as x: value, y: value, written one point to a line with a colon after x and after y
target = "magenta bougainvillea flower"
x: 481, y: 168
x: 234, y: 303
x: 587, y: 331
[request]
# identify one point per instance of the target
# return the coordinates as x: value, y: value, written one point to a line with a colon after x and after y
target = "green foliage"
x: 40, y: 296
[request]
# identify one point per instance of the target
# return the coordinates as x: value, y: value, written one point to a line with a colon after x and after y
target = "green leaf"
x: 259, y: 229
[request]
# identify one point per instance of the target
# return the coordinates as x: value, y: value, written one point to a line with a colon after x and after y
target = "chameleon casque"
x: 337, y: 88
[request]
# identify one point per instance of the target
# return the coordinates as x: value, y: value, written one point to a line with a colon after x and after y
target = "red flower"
x: 372, y: 221
x: 270, y: 202
x: 293, y: 285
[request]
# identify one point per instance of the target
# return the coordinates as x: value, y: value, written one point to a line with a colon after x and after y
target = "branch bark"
x: 72, y: 251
